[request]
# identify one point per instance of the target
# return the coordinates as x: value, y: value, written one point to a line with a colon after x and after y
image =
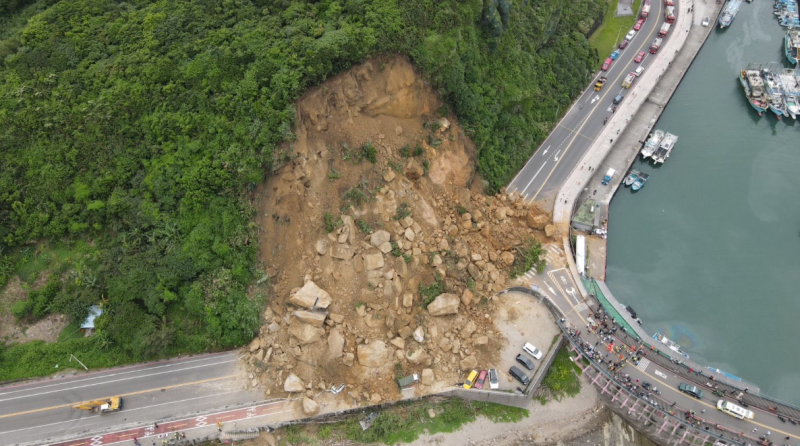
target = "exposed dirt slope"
x: 348, y: 306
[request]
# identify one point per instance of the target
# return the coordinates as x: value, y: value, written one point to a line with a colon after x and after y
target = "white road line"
x: 534, y: 177
x: 114, y: 381
x: 526, y: 165
x: 99, y: 376
x: 126, y: 411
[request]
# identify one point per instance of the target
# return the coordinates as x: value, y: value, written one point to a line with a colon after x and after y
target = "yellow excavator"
x: 105, y: 405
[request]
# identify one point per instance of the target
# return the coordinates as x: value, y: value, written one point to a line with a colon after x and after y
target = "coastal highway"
x: 551, y: 164
x: 557, y: 284
x: 40, y: 411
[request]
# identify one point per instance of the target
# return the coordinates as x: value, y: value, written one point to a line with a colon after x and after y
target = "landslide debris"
x: 382, y: 259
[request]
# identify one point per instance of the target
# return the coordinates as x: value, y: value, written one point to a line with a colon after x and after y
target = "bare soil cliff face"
x: 347, y: 305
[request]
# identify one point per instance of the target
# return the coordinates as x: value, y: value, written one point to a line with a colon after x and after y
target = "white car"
x: 631, y: 35
x: 494, y: 383
x: 533, y: 351
x: 706, y: 21
x: 639, y: 71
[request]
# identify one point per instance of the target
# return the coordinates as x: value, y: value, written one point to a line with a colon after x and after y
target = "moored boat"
x: 631, y: 178
x: 753, y: 86
x: 774, y: 88
x: 652, y: 144
x: 790, y: 81
x: 665, y: 148
x: 729, y: 13
x: 640, y: 180
x: 791, y: 45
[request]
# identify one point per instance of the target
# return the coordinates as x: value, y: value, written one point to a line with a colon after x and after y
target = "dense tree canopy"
x: 140, y: 124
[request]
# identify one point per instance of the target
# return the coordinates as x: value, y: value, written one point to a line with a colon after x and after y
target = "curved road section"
x: 41, y: 411
x: 548, y: 168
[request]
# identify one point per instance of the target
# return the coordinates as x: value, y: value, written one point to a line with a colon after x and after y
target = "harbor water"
x: 708, y: 253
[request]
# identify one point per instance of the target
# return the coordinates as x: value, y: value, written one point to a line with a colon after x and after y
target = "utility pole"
x: 71, y: 357
x: 616, y: 41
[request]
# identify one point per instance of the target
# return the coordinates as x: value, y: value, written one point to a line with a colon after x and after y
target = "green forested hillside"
x: 138, y: 127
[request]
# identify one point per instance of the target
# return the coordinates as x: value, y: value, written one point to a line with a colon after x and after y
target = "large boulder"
x: 427, y: 377
x: 414, y: 169
x: 536, y: 220
x: 305, y: 333
x: 342, y: 251
x: 444, y: 304
x: 293, y: 383
x: 374, y: 354
x: 379, y: 237
x: 310, y: 407
x: 314, y: 318
x: 419, y: 356
x: 468, y: 363
x: 372, y: 260
x: 335, y: 344
x: 468, y: 329
x: 311, y: 296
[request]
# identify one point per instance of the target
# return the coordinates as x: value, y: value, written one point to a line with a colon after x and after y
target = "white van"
x: 734, y: 410
x: 533, y: 351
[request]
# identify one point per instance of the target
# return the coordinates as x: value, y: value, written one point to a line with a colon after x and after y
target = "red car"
x: 480, y: 380
x: 623, y: 44
x: 607, y: 64
x: 639, y: 57
x: 639, y: 24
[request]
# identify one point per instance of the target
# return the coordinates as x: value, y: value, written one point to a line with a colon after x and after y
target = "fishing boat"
x: 791, y: 45
x: 786, y: 12
x: 729, y: 13
x: 631, y: 178
x: 665, y: 148
x: 753, y: 86
x: 671, y: 345
x: 775, y: 99
x: 790, y: 81
x: 652, y: 144
x: 639, y: 182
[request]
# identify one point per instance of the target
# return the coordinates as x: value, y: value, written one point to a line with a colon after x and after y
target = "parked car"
x: 706, y: 21
x: 631, y: 34
x: 614, y: 55
x: 619, y: 98
x: 639, y: 24
x: 481, y: 379
x: 639, y: 71
x: 640, y: 57
x: 690, y: 390
x: 624, y: 44
x: 607, y: 64
x: 519, y: 376
x: 522, y: 359
x: 470, y: 379
x: 531, y: 350
x: 494, y: 383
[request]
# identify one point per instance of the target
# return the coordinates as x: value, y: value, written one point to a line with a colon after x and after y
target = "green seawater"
x: 707, y: 253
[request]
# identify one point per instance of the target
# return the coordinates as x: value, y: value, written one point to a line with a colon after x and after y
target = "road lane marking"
x: 643, y: 363
x: 115, y: 381
x: 534, y: 177
x: 660, y: 373
x: 140, y: 392
x: 116, y: 371
x: 620, y: 76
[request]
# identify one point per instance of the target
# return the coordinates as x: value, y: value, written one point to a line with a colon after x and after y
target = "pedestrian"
x: 219, y: 426
x: 673, y: 404
x: 155, y: 425
x: 703, y: 411
x: 769, y: 433
x: 755, y: 429
x: 788, y: 438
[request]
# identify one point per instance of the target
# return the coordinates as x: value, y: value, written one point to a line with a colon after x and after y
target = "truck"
x: 629, y: 80
x: 101, y: 406
x: 599, y: 84
x: 609, y: 175
x: 645, y: 10
x: 664, y: 30
x: 656, y: 45
x: 669, y: 14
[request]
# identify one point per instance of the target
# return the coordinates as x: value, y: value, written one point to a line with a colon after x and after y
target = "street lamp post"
x: 618, y: 32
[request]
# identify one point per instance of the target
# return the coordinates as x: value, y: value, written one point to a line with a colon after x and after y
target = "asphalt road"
x: 557, y: 284
x: 548, y: 168
x: 41, y: 411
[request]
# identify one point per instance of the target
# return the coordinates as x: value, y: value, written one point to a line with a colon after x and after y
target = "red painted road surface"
x: 149, y: 435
